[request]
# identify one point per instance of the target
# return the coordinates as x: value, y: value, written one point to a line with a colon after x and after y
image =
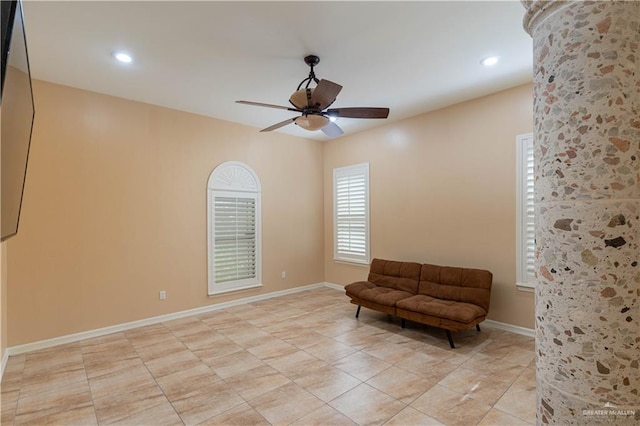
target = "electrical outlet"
x: 163, y: 295
x: 284, y: 274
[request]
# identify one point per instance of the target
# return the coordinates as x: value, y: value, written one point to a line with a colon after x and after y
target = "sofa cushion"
x: 447, y: 309
x: 472, y: 286
x: 403, y: 276
x: 368, y: 291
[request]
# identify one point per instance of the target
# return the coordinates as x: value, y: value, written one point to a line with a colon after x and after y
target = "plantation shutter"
x: 526, y: 212
x: 234, y: 238
x: 351, y: 215
x: 530, y: 236
x: 233, y: 229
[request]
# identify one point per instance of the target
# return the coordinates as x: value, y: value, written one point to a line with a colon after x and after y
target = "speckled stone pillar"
x: 587, y: 149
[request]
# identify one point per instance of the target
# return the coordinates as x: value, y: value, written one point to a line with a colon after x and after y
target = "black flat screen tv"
x: 16, y: 116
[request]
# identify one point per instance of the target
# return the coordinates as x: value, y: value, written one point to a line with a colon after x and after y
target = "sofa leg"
x: 478, y: 327
x: 358, y: 311
x: 402, y: 323
x: 450, y: 339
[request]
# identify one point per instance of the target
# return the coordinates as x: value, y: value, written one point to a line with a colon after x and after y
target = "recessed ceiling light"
x: 123, y: 57
x: 490, y: 61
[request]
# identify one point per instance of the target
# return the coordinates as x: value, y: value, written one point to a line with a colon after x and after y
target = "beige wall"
x: 114, y: 211
x: 114, y: 206
x: 443, y: 191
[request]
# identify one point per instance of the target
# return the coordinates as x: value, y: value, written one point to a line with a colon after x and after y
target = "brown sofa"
x: 450, y: 298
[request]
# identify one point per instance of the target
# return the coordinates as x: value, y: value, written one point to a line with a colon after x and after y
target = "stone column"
x: 587, y: 155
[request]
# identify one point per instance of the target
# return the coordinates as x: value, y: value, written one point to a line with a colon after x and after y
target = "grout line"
x: 86, y: 374
x: 154, y: 377
x: 211, y: 368
x: 15, y: 408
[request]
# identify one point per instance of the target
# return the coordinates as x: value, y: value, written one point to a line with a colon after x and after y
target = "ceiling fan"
x: 312, y: 104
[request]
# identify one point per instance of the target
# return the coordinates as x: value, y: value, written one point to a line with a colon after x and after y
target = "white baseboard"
x: 334, y: 286
x: 529, y: 332
x: 3, y: 364
x: 70, y: 338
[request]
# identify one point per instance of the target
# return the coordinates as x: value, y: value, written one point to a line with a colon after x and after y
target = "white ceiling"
x: 202, y: 56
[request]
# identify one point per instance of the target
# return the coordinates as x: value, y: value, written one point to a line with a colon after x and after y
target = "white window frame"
x: 525, y: 213
x: 237, y: 180
x: 339, y: 254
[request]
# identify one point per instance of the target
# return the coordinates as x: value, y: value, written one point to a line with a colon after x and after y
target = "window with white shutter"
x: 525, y: 220
x: 351, y: 213
x: 233, y: 198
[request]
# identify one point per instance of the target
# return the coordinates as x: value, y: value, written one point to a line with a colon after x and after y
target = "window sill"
x: 352, y: 262
x: 529, y: 288
x: 230, y: 290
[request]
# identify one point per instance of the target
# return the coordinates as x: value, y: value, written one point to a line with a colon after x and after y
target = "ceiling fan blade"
x: 268, y: 105
x: 358, y: 112
x: 324, y: 94
x: 280, y: 124
x: 332, y: 130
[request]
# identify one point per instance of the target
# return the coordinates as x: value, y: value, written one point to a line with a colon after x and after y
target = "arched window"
x: 234, y: 231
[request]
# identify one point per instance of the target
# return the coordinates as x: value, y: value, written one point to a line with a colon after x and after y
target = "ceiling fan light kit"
x: 312, y: 122
x: 312, y: 104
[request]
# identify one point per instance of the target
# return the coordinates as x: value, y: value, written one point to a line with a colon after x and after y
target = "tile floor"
x: 300, y: 359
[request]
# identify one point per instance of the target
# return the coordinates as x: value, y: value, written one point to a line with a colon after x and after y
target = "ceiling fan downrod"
x: 312, y: 61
